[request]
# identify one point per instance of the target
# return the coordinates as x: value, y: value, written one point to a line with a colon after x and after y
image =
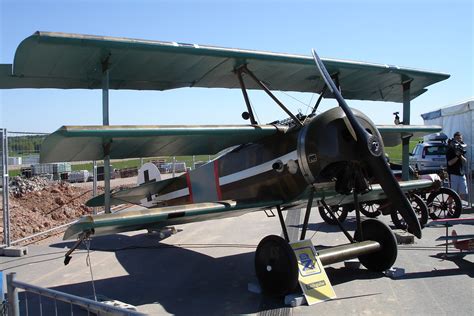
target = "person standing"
x: 456, y: 162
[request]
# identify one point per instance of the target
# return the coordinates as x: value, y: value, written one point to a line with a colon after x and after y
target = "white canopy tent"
x: 458, y: 117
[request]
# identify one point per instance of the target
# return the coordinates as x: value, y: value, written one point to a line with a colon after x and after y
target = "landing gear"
x: 339, y: 211
x: 276, y: 266
x: 420, y: 208
x: 370, y: 209
x: 444, y: 203
x: 385, y: 257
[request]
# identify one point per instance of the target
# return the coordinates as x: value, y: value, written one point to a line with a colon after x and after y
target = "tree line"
x: 24, y: 145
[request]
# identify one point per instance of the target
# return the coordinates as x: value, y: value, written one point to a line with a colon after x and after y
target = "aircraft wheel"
x: 444, y: 203
x: 276, y: 266
x: 370, y: 209
x: 339, y: 211
x: 420, y: 208
x: 386, y: 256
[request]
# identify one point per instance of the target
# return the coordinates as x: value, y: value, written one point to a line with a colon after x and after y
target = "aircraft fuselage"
x: 266, y: 170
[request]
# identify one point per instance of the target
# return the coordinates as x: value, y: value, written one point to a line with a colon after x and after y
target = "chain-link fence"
x: 24, y: 148
x: 39, y: 204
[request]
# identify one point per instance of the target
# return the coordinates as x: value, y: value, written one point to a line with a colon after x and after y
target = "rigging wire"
x: 87, y: 243
x: 255, y: 112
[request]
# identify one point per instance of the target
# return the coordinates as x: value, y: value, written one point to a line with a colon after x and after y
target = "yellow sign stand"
x: 312, y: 276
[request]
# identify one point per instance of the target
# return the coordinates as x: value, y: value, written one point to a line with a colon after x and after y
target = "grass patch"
x: 395, y: 153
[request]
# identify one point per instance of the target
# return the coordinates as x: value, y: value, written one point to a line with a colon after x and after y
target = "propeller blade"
x: 373, y: 153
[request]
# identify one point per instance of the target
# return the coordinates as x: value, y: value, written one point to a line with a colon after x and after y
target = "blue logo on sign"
x: 306, y: 261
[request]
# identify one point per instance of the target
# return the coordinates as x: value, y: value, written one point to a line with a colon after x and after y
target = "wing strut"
x: 334, y: 217
x: 265, y: 88
x: 246, y: 96
x: 282, y: 223
x: 308, y: 212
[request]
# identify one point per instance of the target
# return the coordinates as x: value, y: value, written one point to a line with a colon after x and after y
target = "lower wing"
x: 137, y: 217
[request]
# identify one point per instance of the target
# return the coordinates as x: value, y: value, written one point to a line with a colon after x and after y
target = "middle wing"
x: 393, y: 134
x: 85, y: 143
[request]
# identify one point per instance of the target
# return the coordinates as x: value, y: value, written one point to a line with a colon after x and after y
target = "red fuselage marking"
x: 216, y: 177
x: 188, y: 182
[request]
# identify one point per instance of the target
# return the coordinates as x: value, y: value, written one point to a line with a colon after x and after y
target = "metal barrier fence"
x: 4, y: 170
x: 52, y: 307
x: 20, y: 153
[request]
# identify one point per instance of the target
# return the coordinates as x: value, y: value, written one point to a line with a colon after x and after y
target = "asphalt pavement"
x: 206, y: 268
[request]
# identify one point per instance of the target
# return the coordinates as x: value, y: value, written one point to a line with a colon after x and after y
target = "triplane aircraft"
x: 319, y: 159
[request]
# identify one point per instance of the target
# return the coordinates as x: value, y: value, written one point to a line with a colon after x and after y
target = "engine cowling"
x: 326, y: 147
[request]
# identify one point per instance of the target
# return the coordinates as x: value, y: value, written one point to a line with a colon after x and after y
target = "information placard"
x: 312, y: 276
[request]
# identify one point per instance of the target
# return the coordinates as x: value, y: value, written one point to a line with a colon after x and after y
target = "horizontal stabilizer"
x: 133, y: 195
x: 85, y: 143
x: 393, y: 134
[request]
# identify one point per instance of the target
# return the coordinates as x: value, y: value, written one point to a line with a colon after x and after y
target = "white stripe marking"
x: 247, y: 173
x: 173, y: 195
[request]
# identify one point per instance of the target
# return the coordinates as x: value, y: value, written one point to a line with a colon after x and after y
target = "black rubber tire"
x: 420, y: 208
x: 340, y: 212
x: 444, y: 203
x: 384, y: 258
x: 276, y: 266
x: 370, y: 209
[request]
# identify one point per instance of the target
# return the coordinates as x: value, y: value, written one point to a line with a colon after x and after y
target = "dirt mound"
x: 38, y: 204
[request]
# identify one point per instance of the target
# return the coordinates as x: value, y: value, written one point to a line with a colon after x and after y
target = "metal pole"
x: 174, y: 166
x: 105, y: 119
x: 6, y: 210
x: 406, y: 121
x: 12, y: 293
x: 469, y: 169
x: 94, y: 183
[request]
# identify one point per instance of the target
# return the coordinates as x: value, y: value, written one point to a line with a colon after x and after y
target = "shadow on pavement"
x: 181, y: 280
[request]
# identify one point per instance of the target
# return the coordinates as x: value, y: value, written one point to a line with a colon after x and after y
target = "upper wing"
x: 393, y: 134
x: 73, y: 61
x: 80, y: 143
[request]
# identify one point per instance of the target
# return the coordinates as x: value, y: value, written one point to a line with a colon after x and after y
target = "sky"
x: 425, y: 34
